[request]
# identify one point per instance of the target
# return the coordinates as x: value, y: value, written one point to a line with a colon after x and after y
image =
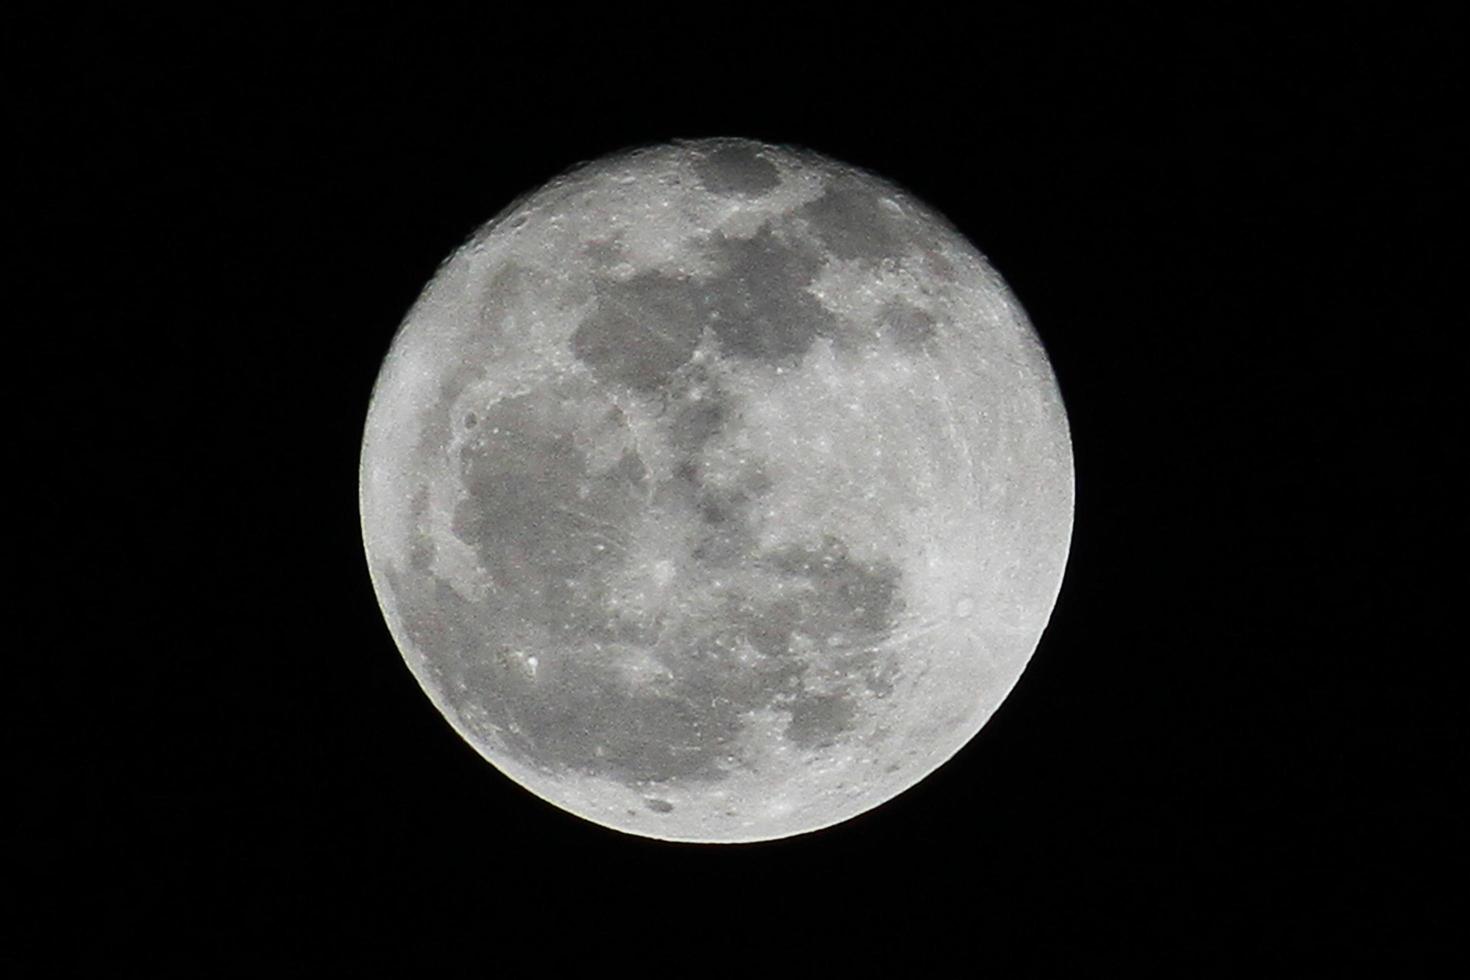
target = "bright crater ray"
x: 716, y: 491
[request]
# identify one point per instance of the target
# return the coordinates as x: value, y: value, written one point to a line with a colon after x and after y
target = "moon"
x: 716, y: 491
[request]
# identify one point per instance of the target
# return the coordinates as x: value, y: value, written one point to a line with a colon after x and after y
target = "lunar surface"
x: 716, y: 491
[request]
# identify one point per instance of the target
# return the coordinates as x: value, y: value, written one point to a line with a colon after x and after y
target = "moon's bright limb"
x: 716, y: 491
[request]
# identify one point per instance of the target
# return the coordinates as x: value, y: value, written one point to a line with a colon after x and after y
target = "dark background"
x: 1223, y: 229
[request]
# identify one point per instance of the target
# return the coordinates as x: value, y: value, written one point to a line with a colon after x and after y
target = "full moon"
x: 716, y: 491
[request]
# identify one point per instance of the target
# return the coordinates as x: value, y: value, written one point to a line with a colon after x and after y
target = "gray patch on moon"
x: 535, y: 515
x: 817, y: 720
x: 761, y: 305
x: 421, y: 548
x: 642, y: 330
x: 497, y: 299
x: 758, y: 303
x: 910, y: 328
x: 736, y: 168
x: 696, y: 410
x: 847, y: 597
x: 852, y: 223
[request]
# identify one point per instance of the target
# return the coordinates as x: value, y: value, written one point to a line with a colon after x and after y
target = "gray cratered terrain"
x: 716, y: 491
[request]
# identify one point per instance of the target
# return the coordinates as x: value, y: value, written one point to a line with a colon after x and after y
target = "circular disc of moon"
x: 716, y: 491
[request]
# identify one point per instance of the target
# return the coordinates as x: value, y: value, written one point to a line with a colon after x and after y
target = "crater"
x: 659, y: 806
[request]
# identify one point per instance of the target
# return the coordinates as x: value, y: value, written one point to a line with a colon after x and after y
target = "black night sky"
x: 1224, y: 748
